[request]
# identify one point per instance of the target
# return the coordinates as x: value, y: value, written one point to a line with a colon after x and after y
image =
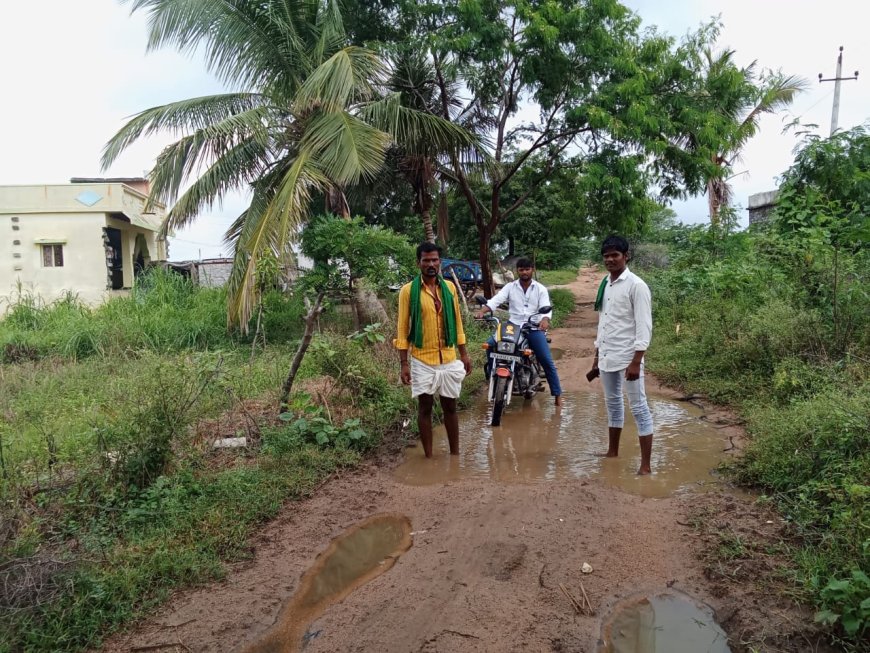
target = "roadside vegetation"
x: 775, y: 321
x: 111, y: 492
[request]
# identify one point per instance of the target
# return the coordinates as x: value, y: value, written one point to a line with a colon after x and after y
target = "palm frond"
x: 183, y: 159
x: 180, y: 117
x: 237, y: 169
x: 244, y: 42
x: 274, y: 215
x: 345, y: 148
x: 418, y: 131
x: 350, y: 75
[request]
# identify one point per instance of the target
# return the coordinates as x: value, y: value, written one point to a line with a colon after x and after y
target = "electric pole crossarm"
x: 835, y: 111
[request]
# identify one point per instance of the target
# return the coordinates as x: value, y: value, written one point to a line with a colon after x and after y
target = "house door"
x: 114, y: 259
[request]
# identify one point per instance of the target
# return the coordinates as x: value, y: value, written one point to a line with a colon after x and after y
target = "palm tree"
x: 742, y: 96
x: 314, y: 118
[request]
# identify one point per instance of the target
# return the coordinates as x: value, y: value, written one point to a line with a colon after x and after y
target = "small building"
x: 761, y: 205
x: 90, y: 237
x: 208, y: 273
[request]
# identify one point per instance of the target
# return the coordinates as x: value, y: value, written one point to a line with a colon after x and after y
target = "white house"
x: 90, y: 237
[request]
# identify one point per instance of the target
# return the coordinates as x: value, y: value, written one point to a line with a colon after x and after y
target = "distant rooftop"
x: 108, y: 180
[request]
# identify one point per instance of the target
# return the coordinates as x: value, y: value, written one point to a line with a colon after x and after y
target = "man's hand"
x: 594, y: 373
x: 544, y: 324
x: 479, y: 315
x: 632, y: 372
x: 466, y: 360
x: 405, y: 374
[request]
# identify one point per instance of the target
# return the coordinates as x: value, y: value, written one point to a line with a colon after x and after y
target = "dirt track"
x: 487, y: 560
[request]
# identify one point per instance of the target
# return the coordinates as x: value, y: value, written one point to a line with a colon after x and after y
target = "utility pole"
x: 835, y: 113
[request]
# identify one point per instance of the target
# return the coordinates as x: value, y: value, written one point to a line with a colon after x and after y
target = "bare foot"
x: 643, y: 471
x: 559, y: 401
x: 608, y: 454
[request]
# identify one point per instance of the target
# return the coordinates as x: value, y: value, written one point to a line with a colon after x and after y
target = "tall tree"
x: 741, y: 96
x: 550, y: 81
x: 314, y: 118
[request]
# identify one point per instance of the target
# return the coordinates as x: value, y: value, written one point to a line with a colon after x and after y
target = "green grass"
x: 563, y: 305
x: 558, y: 277
x: 111, y: 495
x: 759, y: 331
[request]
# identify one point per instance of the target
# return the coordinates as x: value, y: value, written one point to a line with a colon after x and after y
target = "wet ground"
x: 664, y: 623
x: 537, y: 442
x: 524, y: 511
x: 355, y: 557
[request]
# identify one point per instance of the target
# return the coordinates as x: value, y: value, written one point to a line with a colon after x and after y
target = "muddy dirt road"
x: 499, y: 539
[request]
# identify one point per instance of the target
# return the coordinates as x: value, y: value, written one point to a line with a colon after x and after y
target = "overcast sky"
x: 71, y: 71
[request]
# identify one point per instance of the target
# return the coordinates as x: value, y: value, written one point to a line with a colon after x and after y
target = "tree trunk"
x: 368, y: 306
x: 443, y: 218
x: 426, y: 216
x: 336, y: 203
x: 310, y: 323
x: 712, y: 204
x: 355, y: 305
x: 485, y: 266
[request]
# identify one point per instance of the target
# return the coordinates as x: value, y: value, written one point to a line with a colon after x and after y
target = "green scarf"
x: 448, y: 309
x: 599, y: 299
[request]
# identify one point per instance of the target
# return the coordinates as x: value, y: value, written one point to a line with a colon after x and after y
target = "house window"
x: 52, y: 256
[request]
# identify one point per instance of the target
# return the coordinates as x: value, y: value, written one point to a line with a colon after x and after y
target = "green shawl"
x: 448, y: 310
x: 599, y: 299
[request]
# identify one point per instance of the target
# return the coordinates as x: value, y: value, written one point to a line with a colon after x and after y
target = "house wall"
x: 84, y: 268
x: 73, y: 215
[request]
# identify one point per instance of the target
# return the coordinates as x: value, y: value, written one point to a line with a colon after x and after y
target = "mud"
x: 537, y: 442
x: 364, y: 552
x: 496, y: 537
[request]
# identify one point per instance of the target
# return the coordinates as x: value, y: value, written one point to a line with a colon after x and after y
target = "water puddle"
x: 556, y: 353
x: 357, y: 556
x: 537, y: 443
x: 663, y: 624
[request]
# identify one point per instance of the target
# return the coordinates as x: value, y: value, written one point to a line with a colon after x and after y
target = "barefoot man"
x: 429, y: 332
x: 624, y: 333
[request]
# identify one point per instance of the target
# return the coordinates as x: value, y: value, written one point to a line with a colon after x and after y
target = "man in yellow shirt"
x: 428, y: 334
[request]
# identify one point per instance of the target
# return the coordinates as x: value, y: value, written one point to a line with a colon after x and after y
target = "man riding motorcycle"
x: 524, y: 296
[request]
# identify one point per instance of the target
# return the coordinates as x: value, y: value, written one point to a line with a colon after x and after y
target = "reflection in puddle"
x: 365, y: 551
x: 663, y: 624
x: 535, y: 442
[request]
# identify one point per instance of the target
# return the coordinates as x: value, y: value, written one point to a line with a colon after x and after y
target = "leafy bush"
x: 774, y: 323
x: 848, y: 602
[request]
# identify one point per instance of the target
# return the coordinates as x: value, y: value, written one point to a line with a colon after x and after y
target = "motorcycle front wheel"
x: 500, y: 396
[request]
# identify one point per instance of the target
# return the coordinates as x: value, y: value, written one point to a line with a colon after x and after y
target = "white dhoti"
x: 443, y: 380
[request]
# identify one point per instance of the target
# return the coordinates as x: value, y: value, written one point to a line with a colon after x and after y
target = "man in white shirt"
x: 524, y: 297
x: 624, y: 334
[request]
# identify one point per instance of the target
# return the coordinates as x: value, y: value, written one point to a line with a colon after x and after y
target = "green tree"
x: 585, y: 80
x: 354, y: 250
x: 344, y: 252
x: 316, y: 118
x: 742, y: 96
x: 822, y: 210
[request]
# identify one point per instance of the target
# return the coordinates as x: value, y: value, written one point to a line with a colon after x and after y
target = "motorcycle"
x: 515, y: 370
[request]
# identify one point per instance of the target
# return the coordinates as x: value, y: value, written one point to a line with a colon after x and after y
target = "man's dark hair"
x: 618, y: 243
x: 524, y: 263
x: 426, y: 247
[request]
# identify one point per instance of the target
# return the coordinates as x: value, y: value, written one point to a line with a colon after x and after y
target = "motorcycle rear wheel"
x: 500, y: 396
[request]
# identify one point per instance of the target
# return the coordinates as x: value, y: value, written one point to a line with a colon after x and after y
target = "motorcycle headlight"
x: 506, y: 347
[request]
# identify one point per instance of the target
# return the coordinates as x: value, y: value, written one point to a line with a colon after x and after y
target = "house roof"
x: 109, y: 197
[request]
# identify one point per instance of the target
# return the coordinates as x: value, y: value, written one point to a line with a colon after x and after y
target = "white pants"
x: 443, y: 380
x: 613, y: 386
